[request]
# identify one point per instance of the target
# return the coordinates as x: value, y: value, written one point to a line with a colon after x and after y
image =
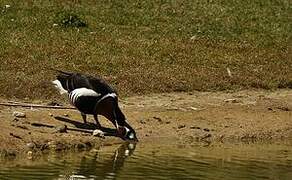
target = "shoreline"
x: 199, y: 117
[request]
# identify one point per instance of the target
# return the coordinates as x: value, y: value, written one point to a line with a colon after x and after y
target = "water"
x: 158, y: 160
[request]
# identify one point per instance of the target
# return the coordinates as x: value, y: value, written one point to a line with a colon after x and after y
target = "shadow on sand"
x: 88, y: 126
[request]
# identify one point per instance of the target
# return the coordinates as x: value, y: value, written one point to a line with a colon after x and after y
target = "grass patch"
x: 146, y: 47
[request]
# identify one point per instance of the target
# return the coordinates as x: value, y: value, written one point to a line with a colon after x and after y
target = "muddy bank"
x: 217, y: 117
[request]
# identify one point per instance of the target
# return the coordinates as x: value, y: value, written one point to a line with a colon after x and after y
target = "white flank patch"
x: 76, y: 93
x: 59, y: 86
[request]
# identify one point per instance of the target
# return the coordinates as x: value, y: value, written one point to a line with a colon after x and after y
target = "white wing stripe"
x: 74, y: 97
x: 76, y: 93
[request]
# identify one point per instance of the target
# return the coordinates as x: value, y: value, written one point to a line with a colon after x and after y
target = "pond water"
x: 158, y: 160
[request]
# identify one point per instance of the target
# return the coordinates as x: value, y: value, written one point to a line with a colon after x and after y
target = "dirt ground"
x: 208, y: 117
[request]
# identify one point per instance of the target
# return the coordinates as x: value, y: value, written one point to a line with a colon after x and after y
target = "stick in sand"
x: 35, y: 106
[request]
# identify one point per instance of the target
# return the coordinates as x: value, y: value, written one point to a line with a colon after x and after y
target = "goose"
x: 93, y: 96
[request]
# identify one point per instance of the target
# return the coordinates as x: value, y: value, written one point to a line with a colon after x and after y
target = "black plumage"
x: 71, y: 81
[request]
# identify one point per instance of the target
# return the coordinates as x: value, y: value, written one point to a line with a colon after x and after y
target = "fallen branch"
x: 35, y: 106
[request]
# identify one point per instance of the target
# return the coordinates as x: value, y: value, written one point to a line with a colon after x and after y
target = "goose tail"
x: 61, y: 72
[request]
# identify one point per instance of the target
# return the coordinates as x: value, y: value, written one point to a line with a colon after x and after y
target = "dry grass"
x: 157, y: 46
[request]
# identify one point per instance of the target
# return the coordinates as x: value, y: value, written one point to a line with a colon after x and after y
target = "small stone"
x: 231, y: 101
x: 29, y: 153
x: 181, y: 126
x: 50, y: 114
x: 194, y: 108
x: 61, y: 129
x: 172, y: 109
x: 158, y: 119
x: 30, y: 145
x: 51, y: 145
x: 66, y: 115
x: 19, y: 114
x: 142, y: 121
x: 127, y: 152
x: 195, y: 127
x: 206, y: 129
x: 98, y: 133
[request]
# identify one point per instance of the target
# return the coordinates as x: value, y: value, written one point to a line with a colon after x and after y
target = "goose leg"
x: 96, y: 120
x: 84, y: 117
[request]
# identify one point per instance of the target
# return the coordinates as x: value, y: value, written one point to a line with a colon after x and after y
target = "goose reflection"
x: 103, y: 166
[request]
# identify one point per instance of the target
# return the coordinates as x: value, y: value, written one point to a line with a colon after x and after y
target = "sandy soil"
x: 208, y: 117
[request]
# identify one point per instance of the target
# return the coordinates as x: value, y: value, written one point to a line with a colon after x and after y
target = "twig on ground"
x: 35, y: 105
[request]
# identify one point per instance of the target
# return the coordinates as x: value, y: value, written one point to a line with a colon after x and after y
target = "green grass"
x: 146, y: 47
